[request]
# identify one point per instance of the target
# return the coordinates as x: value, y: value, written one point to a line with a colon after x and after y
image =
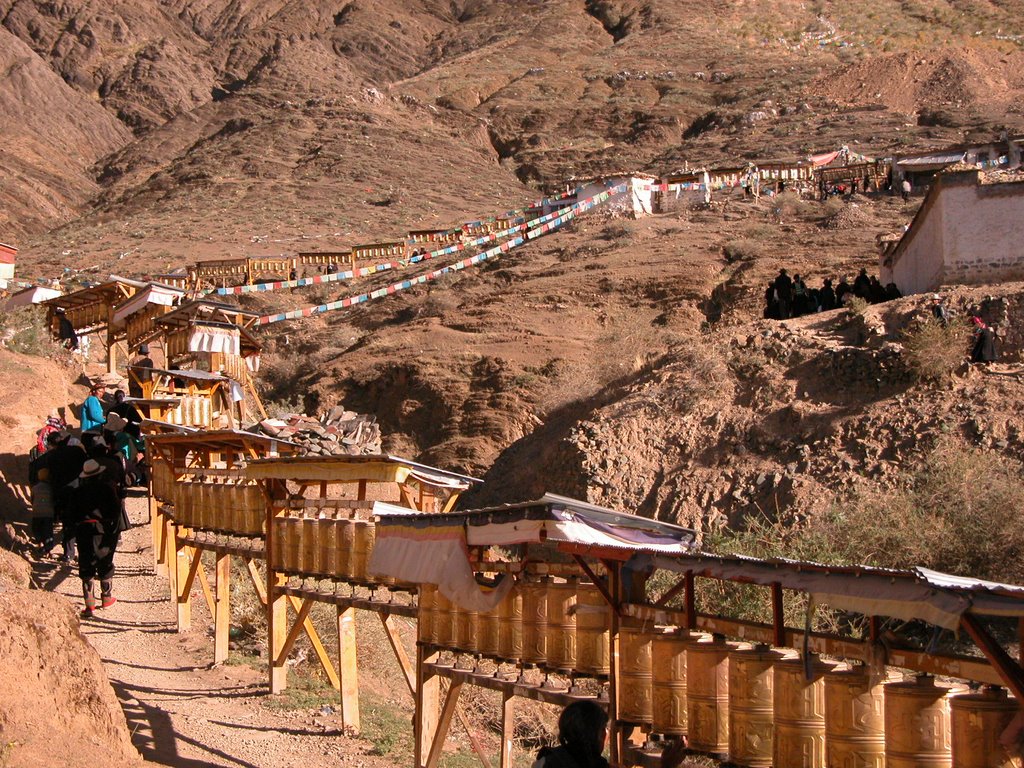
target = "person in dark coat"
x: 125, y: 410
x: 799, y: 296
x: 984, y: 349
x: 939, y: 310
x: 582, y: 731
x: 784, y: 294
x: 827, y: 296
x: 892, y: 292
x: 841, y: 290
x: 862, y: 285
x: 64, y: 462
x: 99, y: 520
x: 65, y: 330
x: 771, y: 303
x: 876, y: 291
x: 141, y: 371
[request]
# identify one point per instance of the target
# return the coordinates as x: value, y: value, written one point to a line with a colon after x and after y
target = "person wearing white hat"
x: 97, y: 511
x: 939, y: 310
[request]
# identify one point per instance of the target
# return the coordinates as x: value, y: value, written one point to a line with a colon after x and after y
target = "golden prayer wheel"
x: 454, y: 619
x: 510, y: 625
x: 310, y: 545
x: 275, y: 557
x: 799, y: 705
x: 360, y: 549
x: 917, y: 733
x: 751, y: 705
x: 535, y: 622
x: 977, y: 720
x: 635, y: 675
x: 593, y: 625
x: 426, y: 601
x: 328, y: 543
x: 254, y: 506
x: 668, y: 693
x: 707, y: 695
x: 441, y: 628
x: 561, y: 626
x: 293, y: 544
x: 854, y: 719
x: 466, y: 639
x: 346, y: 542
x: 201, y: 513
x: 488, y: 628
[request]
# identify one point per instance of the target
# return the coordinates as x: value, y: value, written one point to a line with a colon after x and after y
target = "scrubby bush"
x: 933, y: 352
x: 25, y: 331
x: 744, y: 249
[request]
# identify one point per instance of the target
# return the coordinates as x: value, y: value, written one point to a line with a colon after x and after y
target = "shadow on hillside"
x: 14, y: 491
x: 154, y: 735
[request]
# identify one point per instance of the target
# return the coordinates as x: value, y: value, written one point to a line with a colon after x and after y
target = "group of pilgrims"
x: 80, y: 482
x: 787, y: 297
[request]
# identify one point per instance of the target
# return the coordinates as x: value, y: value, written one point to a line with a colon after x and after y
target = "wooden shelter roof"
x: 113, y: 292
x: 207, y: 310
x: 224, y: 439
x: 339, y: 469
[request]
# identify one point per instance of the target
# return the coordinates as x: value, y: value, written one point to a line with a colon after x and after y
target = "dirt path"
x: 182, y: 711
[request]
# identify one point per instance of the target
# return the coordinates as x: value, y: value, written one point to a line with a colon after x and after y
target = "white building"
x: 35, y: 294
x: 8, y: 254
x: 969, y: 230
x: 635, y: 201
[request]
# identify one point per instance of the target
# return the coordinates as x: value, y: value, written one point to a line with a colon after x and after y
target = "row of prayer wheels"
x: 763, y: 707
x: 220, y: 503
x: 325, y: 547
x: 556, y: 625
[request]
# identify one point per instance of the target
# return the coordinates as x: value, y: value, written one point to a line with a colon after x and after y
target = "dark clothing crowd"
x: 787, y: 297
x: 80, y: 483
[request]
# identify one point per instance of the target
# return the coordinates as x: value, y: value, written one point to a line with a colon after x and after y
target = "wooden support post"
x: 222, y: 607
x: 616, y: 745
x: 428, y: 689
x: 391, y: 630
x: 170, y: 539
x: 691, y: 602
x: 473, y: 740
x: 444, y: 721
x: 257, y: 581
x: 187, y: 570
x: 508, y: 728
x: 348, y: 669
x: 277, y: 629
x: 157, y: 531
x: 778, y: 616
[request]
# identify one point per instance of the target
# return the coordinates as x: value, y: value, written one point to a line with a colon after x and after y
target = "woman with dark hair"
x: 582, y: 731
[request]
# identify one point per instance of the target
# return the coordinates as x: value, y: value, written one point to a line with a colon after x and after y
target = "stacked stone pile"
x: 339, y: 433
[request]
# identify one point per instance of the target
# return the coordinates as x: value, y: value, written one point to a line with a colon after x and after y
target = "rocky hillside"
x: 189, y: 129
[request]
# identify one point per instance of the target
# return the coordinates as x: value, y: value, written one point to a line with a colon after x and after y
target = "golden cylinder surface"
x: 668, y: 654
x: 854, y: 718
x: 707, y: 695
x: 751, y: 706
x: 593, y: 628
x: 467, y: 631
x: 441, y: 630
x: 346, y: 554
x: 426, y: 611
x: 917, y: 733
x: 328, y: 546
x: 799, y: 712
x: 293, y: 545
x: 561, y: 626
x: 487, y: 637
x: 977, y: 720
x: 361, y: 545
x: 310, y: 546
x: 535, y: 622
x: 510, y: 625
x: 636, y: 668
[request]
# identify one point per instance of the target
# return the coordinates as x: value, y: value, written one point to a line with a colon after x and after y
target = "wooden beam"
x: 599, y: 583
x: 187, y: 570
x: 473, y: 740
x: 277, y: 629
x: 205, y: 583
x: 444, y: 721
x: 691, y: 602
x: 428, y: 687
x: 508, y: 728
x: 170, y: 539
x: 348, y: 667
x: 296, y: 630
x: 673, y: 591
x: 222, y: 603
x: 391, y: 630
x: 314, y: 640
x: 257, y: 581
x: 1009, y: 670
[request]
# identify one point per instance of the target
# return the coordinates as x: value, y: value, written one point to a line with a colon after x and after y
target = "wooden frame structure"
x: 91, y: 310
x: 874, y: 174
x: 394, y: 249
x: 241, y: 270
x: 136, y: 316
x: 320, y: 528
x: 201, y: 501
x: 620, y: 574
x: 418, y: 237
x: 340, y: 259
